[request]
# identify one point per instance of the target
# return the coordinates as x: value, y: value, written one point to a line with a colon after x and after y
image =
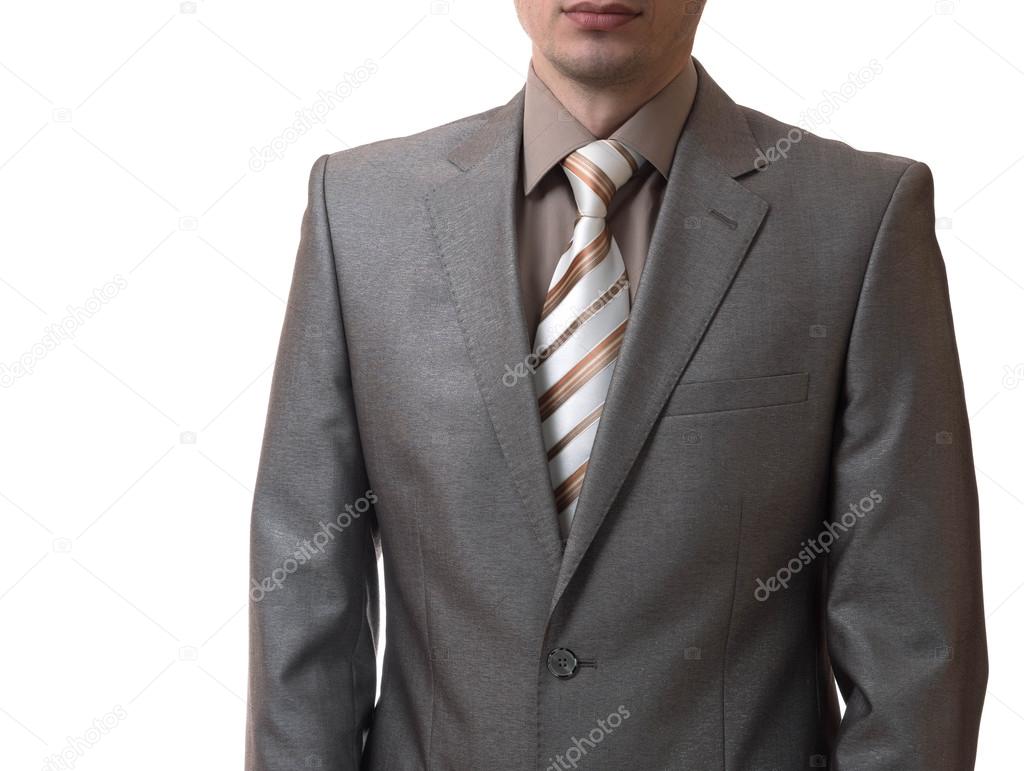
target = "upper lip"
x: 587, y: 7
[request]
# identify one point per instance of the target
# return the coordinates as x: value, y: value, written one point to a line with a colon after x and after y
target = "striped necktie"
x: 583, y: 322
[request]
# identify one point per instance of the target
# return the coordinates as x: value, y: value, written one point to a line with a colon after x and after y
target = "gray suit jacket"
x: 781, y: 490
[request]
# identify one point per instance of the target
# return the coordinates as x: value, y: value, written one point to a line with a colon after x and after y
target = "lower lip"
x: 603, y: 21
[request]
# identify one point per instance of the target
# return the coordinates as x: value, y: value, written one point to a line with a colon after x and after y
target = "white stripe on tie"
x: 582, y: 322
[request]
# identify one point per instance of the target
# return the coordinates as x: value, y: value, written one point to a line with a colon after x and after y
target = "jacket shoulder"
x: 795, y: 150
x: 410, y: 157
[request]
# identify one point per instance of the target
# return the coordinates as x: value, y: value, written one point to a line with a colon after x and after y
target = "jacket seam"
x: 358, y: 726
x: 430, y: 645
x: 732, y: 614
x: 846, y: 356
x: 871, y: 255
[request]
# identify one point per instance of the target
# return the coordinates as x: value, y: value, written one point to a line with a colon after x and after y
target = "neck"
x: 603, y: 107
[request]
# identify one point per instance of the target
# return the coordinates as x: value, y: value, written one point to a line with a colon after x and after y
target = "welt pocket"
x: 690, y: 398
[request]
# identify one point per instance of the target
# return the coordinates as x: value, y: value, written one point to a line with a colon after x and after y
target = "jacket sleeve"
x: 904, y: 611
x: 313, y: 588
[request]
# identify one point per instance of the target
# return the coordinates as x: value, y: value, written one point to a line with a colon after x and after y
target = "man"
x: 659, y: 433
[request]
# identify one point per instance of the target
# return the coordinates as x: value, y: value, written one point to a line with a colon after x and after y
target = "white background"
x: 130, y: 451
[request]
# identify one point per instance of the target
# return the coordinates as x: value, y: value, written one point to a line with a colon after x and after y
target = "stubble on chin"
x: 594, y: 67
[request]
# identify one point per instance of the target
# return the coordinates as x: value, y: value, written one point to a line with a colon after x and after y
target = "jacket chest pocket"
x: 691, y: 398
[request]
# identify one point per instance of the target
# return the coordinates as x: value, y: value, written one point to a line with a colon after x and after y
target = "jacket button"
x: 562, y: 663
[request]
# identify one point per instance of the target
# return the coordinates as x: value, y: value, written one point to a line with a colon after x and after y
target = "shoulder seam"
x: 874, y: 242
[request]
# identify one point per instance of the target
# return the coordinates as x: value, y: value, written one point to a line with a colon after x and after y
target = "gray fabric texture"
x: 790, y: 363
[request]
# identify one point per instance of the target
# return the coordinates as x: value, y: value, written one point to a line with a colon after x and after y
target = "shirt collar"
x: 550, y: 132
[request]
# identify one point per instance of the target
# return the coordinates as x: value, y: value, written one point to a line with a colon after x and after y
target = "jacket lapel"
x: 473, y: 220
x: 706, y: 224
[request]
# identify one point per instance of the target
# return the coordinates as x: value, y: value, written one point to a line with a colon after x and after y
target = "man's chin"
x: 590, y: 64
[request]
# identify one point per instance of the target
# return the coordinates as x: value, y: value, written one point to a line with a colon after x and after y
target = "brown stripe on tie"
x: 578, y: 429
x: 588, y: 258
x: 602, y: 300
x: 592, y: 175
x: 615, y: 143
x: 569, y: 490
x: 572, y: 381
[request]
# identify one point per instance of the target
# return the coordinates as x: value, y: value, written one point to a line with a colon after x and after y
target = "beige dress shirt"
x: 547, y: 210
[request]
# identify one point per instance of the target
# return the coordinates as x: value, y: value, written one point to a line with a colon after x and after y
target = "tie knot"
x: 596, y: 171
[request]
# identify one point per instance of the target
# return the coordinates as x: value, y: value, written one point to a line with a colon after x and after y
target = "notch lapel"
x: 472, y: 217
x: 704, y: 229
